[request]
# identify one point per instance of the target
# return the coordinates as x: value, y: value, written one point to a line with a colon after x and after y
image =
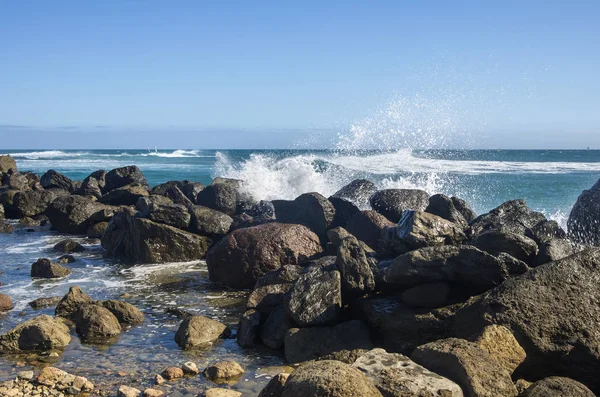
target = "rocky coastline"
x: 366, y: 293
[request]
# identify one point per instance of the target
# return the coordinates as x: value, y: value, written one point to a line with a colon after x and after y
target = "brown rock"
x: 224, y: 371
x: 153, y: 393
x: 126, y: 391
x: 71, y: 302
x: 44, y: 268
x: 556, y: 386
x: 172, y: 373
x: 500, y: 343
x: 5, y: 303
x: 198, y: 331
x: 217, y: 392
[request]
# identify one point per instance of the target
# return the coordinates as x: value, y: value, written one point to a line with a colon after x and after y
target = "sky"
x: 265, y: 74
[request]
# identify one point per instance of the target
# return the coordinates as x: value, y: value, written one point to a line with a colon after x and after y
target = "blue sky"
x: 263, y: 74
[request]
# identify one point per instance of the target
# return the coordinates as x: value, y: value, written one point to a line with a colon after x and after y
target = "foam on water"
x: 47, y: 154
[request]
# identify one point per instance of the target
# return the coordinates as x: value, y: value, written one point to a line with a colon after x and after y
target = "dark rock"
x: 73, y: 215
x: 224, y: 372
x: 516, y: 245
x: 6, y: 228
x: 391, y: 203
x: 270, y: 289
x: 548, y: 310
x: 443, y: 206
x: 344, y: 209
x: 35, y: 202
x: 514, y: 266
x: 18, y: 182
x: 7, y: 163
x: 41, y: 333
x: 54, y: 179
x: 97, y: 230
x: 123, y: 176
x: 175, y: 215
x: 358, y: 192
x: 275, y: 386
x: 430, y: 295
x: 209, y: 222
x: 42, y: 303
x: 177, y: 196
x: 146, y: 204
x: 90, y: 187
x: 44, y: 268
x: 2, y: 214
x: 191, y: 190
x: 368, y: 226
x: 310, y: 209
x: 125, y: 195
x: 315, y: 298
x: 464, y: 208
x: 355, y: 269
x: 99, y: 176
x: 463, y: 362
x: 5, y: 303
x: 161, y: 189
x: 556, y: 386
x: 199, y: 332
x: 512, y: 216
x: 249, y: 328
x: 96, y: 324
x: 276, y: 327
x: 545, y: 231
x: 221, y: 197
x: 304, y: 344
x: 554, y: 250
x: 69, y: 245
x: 244, y: 255
x: 125, y: 312
x: 584, y: 220
x: 64, y: 259
x: 263, y: 209
x: 7, y: 198
x: 71, y: 302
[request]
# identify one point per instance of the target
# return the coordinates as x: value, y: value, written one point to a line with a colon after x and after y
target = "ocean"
x: 549, y: 180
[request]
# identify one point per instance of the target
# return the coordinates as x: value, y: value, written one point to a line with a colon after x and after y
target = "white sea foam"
x: 175, y: 154
x: 47, y: 154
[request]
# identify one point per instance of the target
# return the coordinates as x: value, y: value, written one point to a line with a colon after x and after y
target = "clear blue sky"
x: 83, y: 74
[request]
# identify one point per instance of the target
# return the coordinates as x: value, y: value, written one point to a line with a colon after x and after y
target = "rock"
x: 554, y: 250
x: 329, y: 378
x: 5, y: 303
x: 315, y: 298
x: 464, y: 208
x: 549, y: 313
x: 358, y: 192
x: 270, y: 289
x: 516, y: 245
x: 25, y: 375
x: 139, y: 240
x: 249, y: 328
x: 90, y: 187
x: 463, y: 362
x: 545, y: 231
x: 159, y: 380
x: 96, y: 324
x: 125, y: 195
x: 97, y: 230
x: 41, y: 303
x: 310, y: 209
x: 69, y: 245
x: 304, y: 344
x: 429, y: 295
x: 399, y: 328
x: 512, y: 264
x: 7, y: 163
x: 191, y: 190
x: 18, y: 182
x: 223, y: 371
x: 6, y: 228
x: 356, y: 274
x: 221, y: 197
x: 275, y: 386
x: 2, y: 214
x: 512, y: 216
x: 276, y: 327
x: 522, y: 385
x: 368, y: 226
x: 153, y: 393
x: 263, y: 209
x: 344, y: 209
x: 65, y: 259
x: 35, y: 202
x: 584, y: 220
x: 146, y: 204
x: 500, y: 343
x: 123, y: 176
x: 198, y: 332
x: 126, y: 391
x: 391, y: 203
x: 556, y: 386
x: 190, y: 368
x: 473, y: 270
x: 218, y: 392
x: 396, y: 375
x: 161, y: 189
x: 246, y: 254
x: 175, y: 215
x: 44, y: 268
x: 70, y: 303
x: 73, y: 215
x: 444, y: 207
x: 40, y: 333
x: 171, y: 373
x: 209, y: 222
x: 125, y: 312
x: 55, y: 180
x: 177, y: 196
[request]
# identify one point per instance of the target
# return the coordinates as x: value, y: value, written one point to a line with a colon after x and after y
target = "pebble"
x: 153, y: 393
x: 190, y: 368
x: 172, y: 373
x: 159, y: 380
x: 126, y: 391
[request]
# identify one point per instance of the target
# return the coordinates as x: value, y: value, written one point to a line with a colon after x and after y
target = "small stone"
x: 172, y: 373
x: 25, y: 375
x: 153, y: 393
x: 126, y: 391
x: 224, y: 371
x: 159, y: 380
x: 190, y: 368
x: 216, y: 392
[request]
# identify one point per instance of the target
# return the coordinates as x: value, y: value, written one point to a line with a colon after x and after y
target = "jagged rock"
x: 177, y: 196
x: 396, y: 375
x: 315, y: 298
x: 53, y: 179
x: 249, y: 328
x: 41, y: 303
x: 356, y: 274
x: 73, y: 214
x: 391, y: 203
x: 209, y: 222
x: 125, y: 312
x: 90, y: 187
x: 125, y: 195
x: 500, y: 343
x: 516, y: 245
x: 584, y: 220
x: 96, y: 324
x: 69, y: 245
x: 221, y: 197
x: 329, y: 378
x: 7, y: 163
x: 512, y: 216
x: 70, y: 303
x: 246, y: 254
x: 463, y: 362
x: 198, y: 332
x: 139, y: 240
x: 44, y: 268
x: 556, y: 386
x: 41, y: 333
x: 120, y: 177
x: 445, y: 207
x: 271, y: 288
x: 368, y: 226
x: 310, y: 209
x: 276, y: 327
x: 554, y: 250
x: 191, y: 190
x: 429, y: 295
x: 223, y: 371
x: 304, y: 344
x: 358, y: 192
x: 97, y: 230
x: 5, y: 303
x: 275, y: 386
x: 549, y: 312
x: 545, y: 231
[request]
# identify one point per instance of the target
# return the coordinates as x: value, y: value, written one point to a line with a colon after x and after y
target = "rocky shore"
x: 366, y: 293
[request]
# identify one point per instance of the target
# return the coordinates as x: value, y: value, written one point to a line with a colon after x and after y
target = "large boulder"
x: 221, y: 197
x: 551, y: 312
x: 125, y: 195
x: 477, y: 373
x: 73, y: 214
x: 304, y: 344
x: 512, y: 216
x: 90, y: 188
x: 358, y: 192
x: 516, y: 245
x: 391, y: 203
x: 54, y: 179
x: 209, y: 222
x: 500, y: 343
x: 310, y: 209
x: 329, y: 378
x: 40, y: 333
x: 451, y: 208
x: 368, y: 226
x: 44, y: 268
x: 557, y: 386
x: 244, y: 255
x: 396, y: 375
x: 270, y: 289
x: 35, y: 202
x: 584, y: 219
x: 199, y: 332
x: 71, y: 302
x: 315, y: 298
x: 7, y: 163
x: 139, y: 240
x: 176, y: 215
x: 97, y: 324
x: 355, y: 269
x: 123, y: 176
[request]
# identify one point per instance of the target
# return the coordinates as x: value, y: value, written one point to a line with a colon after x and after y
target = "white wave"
x: 175, y: 154
x: 47, y: 154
